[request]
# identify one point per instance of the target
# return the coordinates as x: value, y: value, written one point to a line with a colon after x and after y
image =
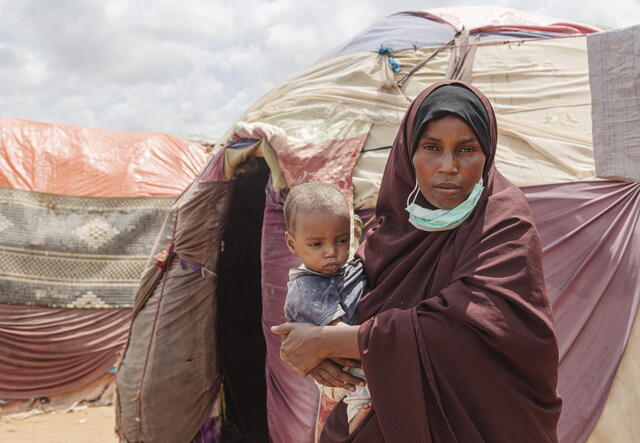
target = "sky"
x: 191, y: 67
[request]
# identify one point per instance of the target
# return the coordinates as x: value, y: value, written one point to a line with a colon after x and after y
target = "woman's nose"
x: 448, y: 164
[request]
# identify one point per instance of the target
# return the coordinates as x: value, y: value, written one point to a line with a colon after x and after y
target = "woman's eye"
x: 467, y: 149
x: 430, y: 147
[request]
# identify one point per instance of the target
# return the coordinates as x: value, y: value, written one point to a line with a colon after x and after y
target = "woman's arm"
x: 305, y: 345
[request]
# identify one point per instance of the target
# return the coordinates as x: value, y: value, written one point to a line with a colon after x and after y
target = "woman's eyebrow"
x: 462, y: 140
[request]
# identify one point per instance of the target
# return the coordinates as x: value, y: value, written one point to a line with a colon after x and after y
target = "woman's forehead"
x: 451, y: 124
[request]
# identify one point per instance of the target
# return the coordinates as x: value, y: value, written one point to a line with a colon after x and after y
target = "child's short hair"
x: 313, y: 197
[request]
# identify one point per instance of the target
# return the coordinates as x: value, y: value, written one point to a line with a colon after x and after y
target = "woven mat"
x: 77, y: 252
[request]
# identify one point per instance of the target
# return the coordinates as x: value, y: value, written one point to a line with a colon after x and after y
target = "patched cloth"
x: 319, y: 299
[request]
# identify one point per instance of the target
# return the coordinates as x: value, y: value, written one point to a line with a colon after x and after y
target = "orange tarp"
x: 73, y: 160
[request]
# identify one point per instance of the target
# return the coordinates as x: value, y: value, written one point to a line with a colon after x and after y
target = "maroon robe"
x: 457, y: 338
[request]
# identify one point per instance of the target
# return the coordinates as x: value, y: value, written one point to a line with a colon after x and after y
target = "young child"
x: 326, y: 288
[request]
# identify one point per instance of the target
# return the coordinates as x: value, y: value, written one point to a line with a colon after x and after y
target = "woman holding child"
x: 455, y: 336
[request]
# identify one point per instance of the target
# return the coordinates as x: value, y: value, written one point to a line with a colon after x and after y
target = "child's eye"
x: 342, y: 241
x: 314, y: 244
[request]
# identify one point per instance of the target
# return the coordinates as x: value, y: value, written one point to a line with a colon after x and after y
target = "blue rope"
x: 393, y: 63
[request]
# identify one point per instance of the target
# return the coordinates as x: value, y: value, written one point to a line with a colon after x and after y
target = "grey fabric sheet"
x: 614, y: 75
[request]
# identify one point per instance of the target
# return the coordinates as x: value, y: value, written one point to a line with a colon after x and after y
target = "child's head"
x: 318, y: 231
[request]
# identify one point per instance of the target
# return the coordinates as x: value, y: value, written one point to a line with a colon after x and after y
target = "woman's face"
x: 448, y: 161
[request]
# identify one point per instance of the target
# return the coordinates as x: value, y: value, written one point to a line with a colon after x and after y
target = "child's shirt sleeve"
x: 354, y: 286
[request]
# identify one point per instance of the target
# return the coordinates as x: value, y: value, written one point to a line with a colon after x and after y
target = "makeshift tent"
x: 79, y: 211
x: 334, y: 122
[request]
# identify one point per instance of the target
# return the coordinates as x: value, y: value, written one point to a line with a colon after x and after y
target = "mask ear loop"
x: 410, y: 201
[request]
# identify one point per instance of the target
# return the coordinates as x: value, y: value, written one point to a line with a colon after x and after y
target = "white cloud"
x: 191, y: 67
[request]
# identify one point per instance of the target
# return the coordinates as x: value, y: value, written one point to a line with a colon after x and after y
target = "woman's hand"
x: 300, y: 347
x: 306, y: 345
x: 330, y: 373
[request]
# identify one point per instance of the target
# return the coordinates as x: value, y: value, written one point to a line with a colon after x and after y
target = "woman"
x: 456, y: 337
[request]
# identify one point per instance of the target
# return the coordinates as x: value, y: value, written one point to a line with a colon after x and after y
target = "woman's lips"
x: 447, y: 188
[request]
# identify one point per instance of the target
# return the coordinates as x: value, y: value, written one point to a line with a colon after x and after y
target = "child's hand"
x: 330, y: 373
x: 347, y: 362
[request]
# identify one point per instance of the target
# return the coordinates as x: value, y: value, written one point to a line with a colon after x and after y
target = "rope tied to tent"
x: 400, y: 83
x: 391, y: 59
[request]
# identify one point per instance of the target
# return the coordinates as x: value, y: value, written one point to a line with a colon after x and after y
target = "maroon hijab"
x: 457, y: 339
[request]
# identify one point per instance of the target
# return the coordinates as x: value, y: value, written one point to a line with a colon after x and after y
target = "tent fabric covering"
x: 88, y: 162
x: 618, y: 421
x: 590, y: 234
x: 100, y: 392
x: 175, y: 310
x: 328, y: 155
x: 438, y: 26
x: 613, y: 65
x: 542, y: 104
x: 49, y: 351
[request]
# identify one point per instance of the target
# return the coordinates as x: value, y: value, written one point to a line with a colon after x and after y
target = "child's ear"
x: 288, y: 238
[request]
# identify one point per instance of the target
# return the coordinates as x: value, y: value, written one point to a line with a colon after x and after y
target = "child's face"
x: 321, y: 241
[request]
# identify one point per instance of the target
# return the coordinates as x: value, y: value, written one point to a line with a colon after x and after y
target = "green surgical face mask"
x: 441, y: 219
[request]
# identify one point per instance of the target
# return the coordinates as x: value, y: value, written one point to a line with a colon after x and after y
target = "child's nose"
x: 331, y: 251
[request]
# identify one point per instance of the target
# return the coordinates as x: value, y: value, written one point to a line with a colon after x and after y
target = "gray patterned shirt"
x: 319, y: 299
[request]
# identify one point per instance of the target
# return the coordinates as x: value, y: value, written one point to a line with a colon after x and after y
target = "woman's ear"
x: 288, y: 238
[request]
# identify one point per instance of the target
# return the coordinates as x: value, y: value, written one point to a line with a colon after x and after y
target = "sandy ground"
x: 81, y: 426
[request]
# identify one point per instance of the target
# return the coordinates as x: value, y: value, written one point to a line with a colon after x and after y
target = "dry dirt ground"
x: 90, y: 425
